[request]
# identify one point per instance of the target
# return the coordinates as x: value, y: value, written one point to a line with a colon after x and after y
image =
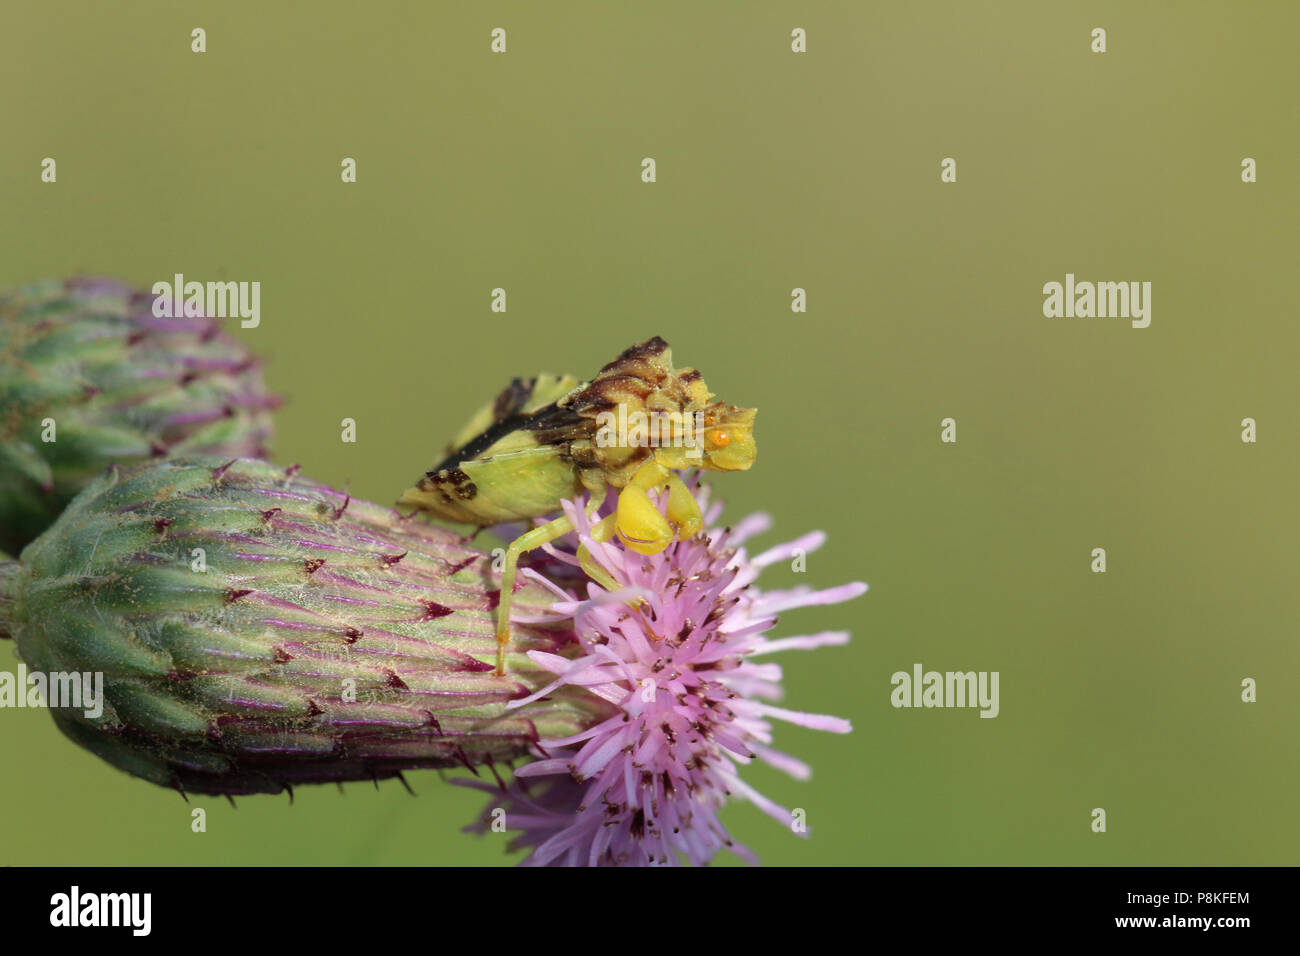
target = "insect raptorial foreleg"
x: 640, y: 524
x: 543, y: 534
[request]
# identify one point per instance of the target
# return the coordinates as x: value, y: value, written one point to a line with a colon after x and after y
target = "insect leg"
x: 640, y: 524
x: 605, y: 531
x: 601, y: 531
x: 683, y: 510
x: 543, y: 534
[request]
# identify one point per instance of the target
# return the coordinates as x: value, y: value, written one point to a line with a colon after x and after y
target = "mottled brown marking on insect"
x: 449, y: 482
x: 582, y: 456
x: 606, y: 393
x: 649, y: 349
x: 512, y: 398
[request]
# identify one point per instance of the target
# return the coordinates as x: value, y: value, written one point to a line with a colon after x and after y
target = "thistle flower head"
x: 90, y: 377
x: 695, y: 698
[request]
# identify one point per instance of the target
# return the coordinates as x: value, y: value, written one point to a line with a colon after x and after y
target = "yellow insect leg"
x: 649, y: 476
x: 683, y: 509
x: 605, y: 530
x: 543, y: 534
x: 602, y: 531
x: 640, y: 524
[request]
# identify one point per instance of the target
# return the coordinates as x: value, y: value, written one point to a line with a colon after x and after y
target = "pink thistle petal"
x: 834, y: 725
x: 791, y: 766
x: 757, y: 523
x: 783, y: 552
x: 773, y: 809
x: 545, y: 582
x: 775, y: 602
x: 540, y: 768
x: 803, y: 643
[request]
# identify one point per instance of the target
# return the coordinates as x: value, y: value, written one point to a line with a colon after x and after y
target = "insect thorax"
x: 637, y: 405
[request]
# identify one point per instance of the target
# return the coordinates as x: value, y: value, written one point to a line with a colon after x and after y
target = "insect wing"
x: 522, y: 397
x: 521, y: 484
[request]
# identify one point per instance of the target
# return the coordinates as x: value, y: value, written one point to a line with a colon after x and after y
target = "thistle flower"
x: 255, y: 630
x: 694, y: 699
x: 90, y: 377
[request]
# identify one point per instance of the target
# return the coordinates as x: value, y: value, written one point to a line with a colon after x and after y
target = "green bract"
x: 256, y: 630
x: 89, y: 376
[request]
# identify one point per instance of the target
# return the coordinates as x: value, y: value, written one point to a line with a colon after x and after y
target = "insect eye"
x: 720, y: 438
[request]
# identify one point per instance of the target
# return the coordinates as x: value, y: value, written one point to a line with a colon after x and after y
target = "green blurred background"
x: 775, y: 171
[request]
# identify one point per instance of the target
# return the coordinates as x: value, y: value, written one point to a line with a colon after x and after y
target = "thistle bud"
x: 89, y: 376
x: 255, y: 630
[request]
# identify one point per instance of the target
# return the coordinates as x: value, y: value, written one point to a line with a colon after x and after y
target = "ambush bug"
x: 547, y: 439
